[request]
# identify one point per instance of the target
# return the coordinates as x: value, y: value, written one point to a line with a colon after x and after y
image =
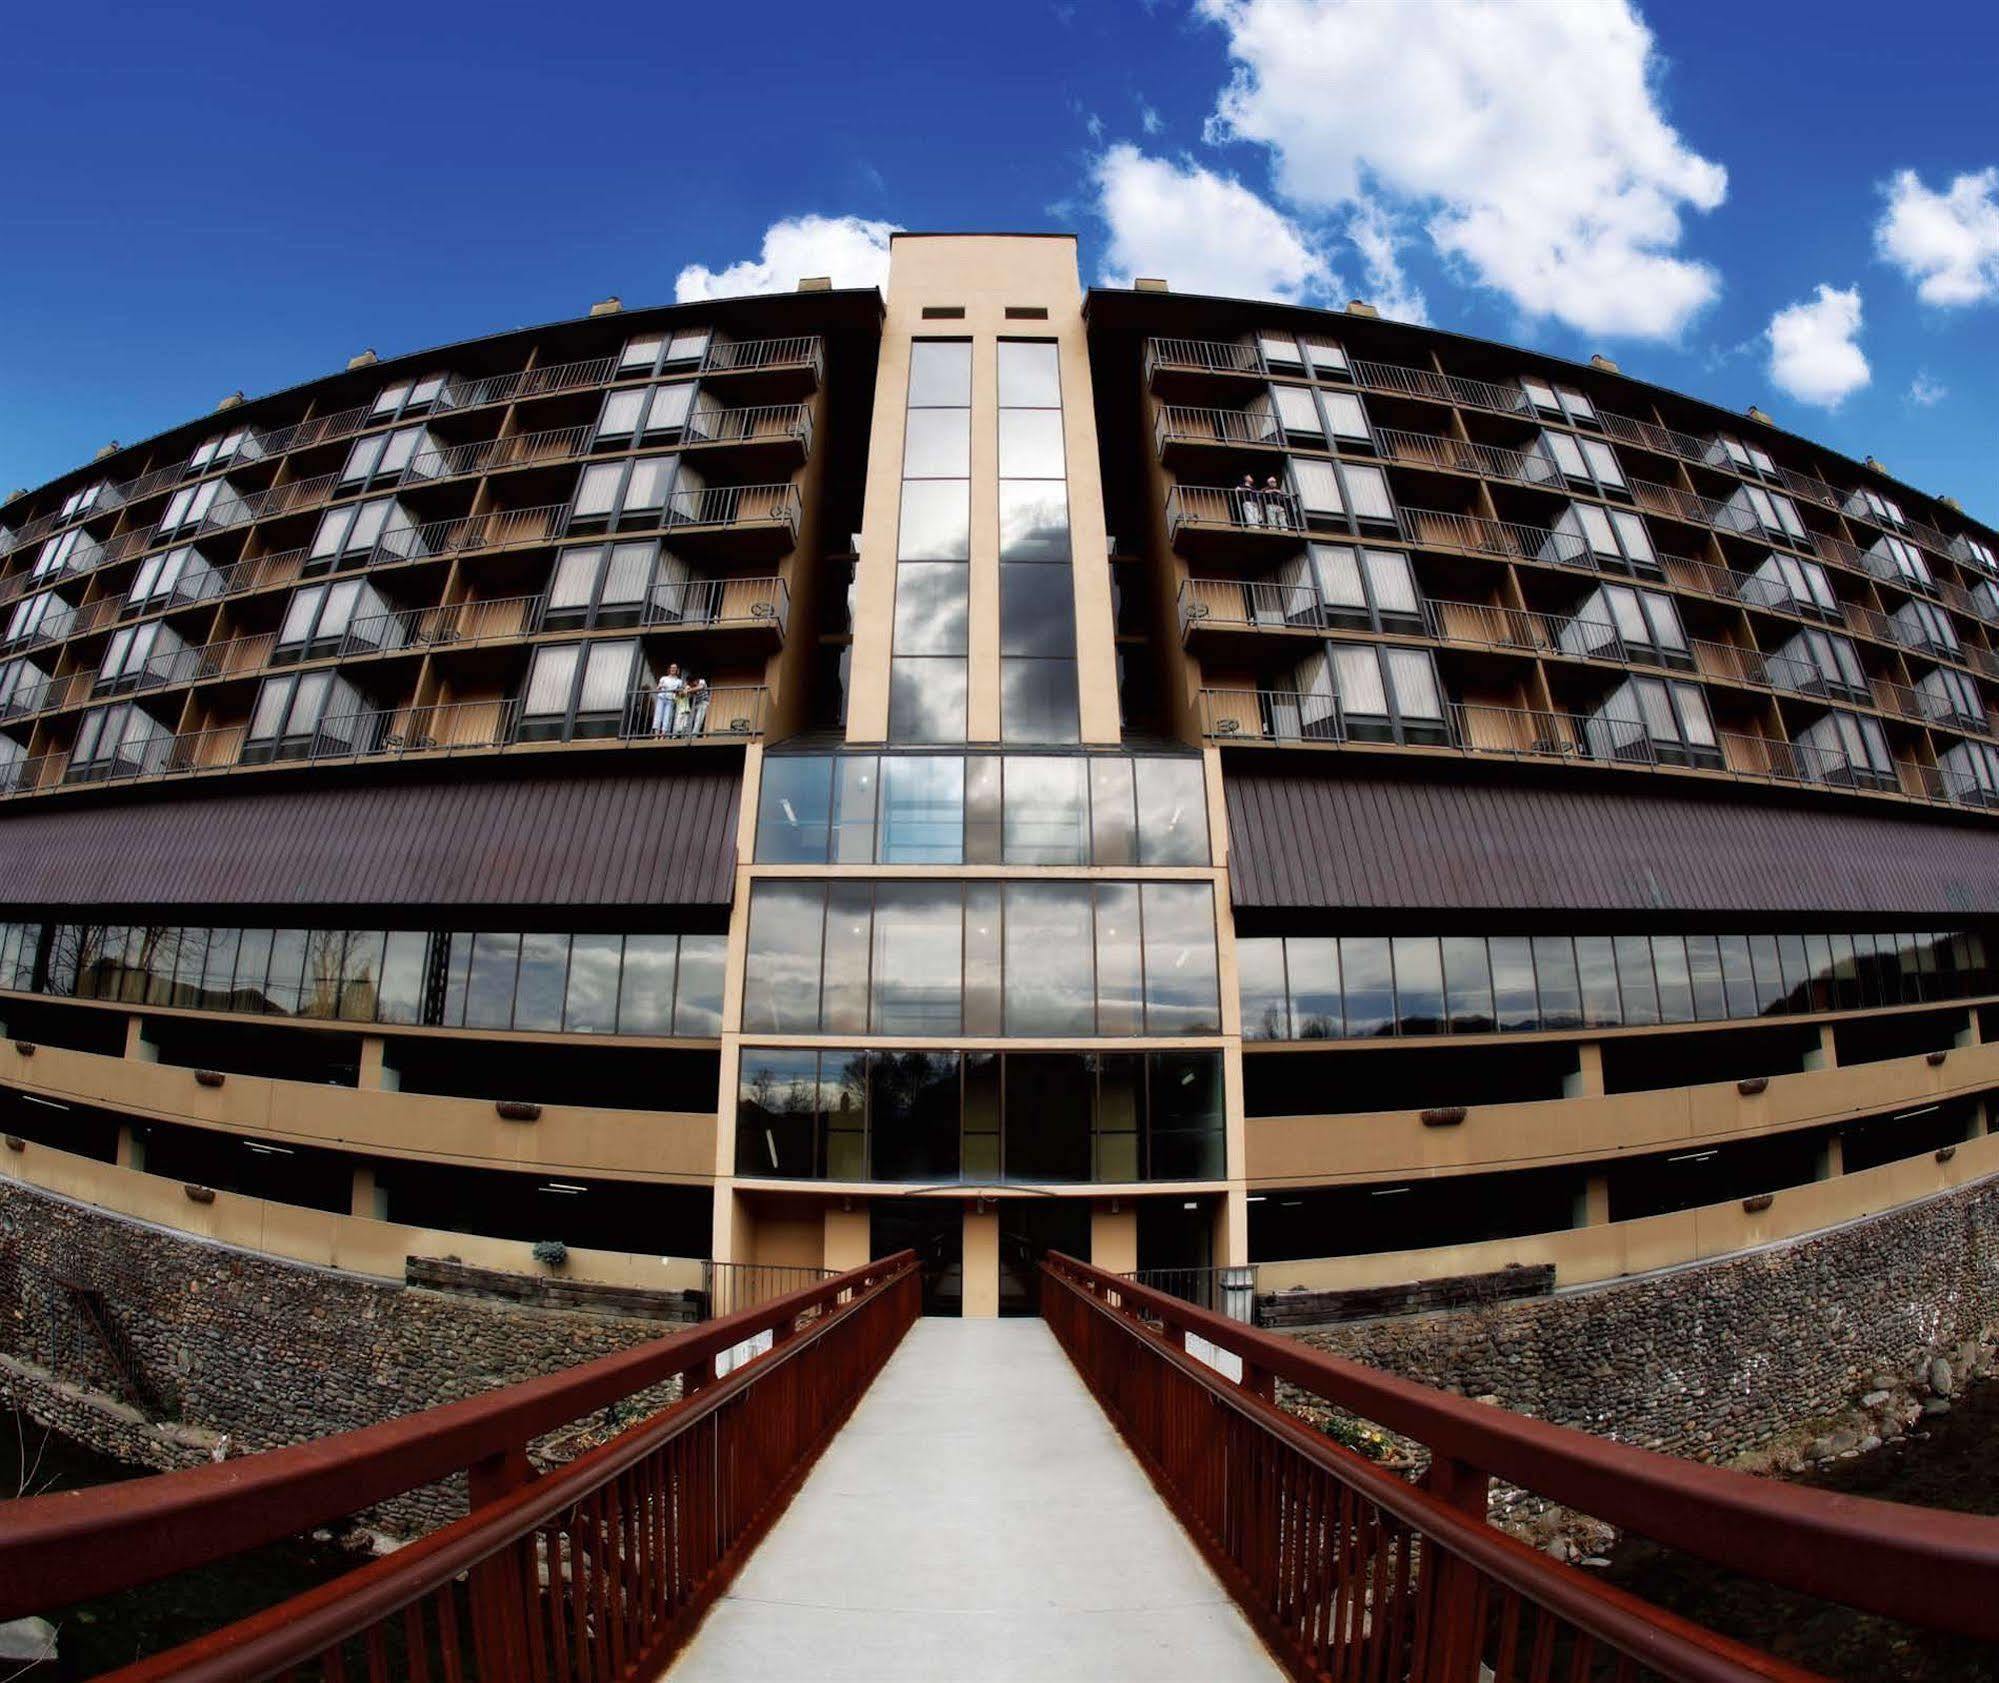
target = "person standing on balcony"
x: 666, y: 701
x: 1276, y: 504
x: 1249, y: 501
x: 693, y: 717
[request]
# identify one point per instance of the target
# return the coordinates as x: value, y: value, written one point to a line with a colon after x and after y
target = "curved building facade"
x: 1193, y: 782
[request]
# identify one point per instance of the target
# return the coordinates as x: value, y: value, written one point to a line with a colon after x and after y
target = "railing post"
x: 1452, y: 1649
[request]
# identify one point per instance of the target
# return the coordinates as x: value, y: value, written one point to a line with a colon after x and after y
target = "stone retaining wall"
x: 257, y: 1350
x: 1758, y: 1357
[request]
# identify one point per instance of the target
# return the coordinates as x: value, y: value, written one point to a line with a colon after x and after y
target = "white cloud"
x: 1149, y: 119
x: 1375, y: 235
x: 1814, y: 354
x: 1201, y: 231
x: 1946, y: 243
x: 1527, y: 134
x: 853, y: 250
x: 1926, y: 392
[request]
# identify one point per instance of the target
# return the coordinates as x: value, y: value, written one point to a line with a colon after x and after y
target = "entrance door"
x: 935, y: 1230
x: 1176, y: 1249
x: 1028, y: 1229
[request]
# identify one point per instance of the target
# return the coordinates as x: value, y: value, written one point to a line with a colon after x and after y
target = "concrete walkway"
x: 978, y: 1518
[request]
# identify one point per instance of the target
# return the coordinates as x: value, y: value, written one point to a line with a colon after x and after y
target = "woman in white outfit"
x: 666, y: 701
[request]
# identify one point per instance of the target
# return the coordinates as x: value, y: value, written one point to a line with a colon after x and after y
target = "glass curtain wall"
x: 927, y: 671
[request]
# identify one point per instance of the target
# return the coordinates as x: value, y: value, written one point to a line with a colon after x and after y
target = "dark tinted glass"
x: 1172, y: 811
x: 1049, y: 1101
x: 793, y: 809
x: 1033, y: 517
x: 1185, y: 1096
x: 1037, y: 612
x: 777, y: 1108
x: 926, y: 700
x: 1050, y: 982
x: 781, y: 966
x: 913, y: 1115
x: 1038, y: 701
x: 930, y: 607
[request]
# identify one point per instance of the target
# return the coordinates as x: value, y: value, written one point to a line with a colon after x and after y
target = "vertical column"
x: 1586, y: 1081
x: 981, y: 1262
x: 1114, y: 1236
x: 846, y: 1237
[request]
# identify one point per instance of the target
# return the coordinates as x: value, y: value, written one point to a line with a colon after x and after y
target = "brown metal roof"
x: 643, y: 838
x: 1332, y: 840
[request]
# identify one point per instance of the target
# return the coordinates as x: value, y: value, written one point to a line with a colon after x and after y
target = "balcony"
x: 1485, y: 461
x: 1287, y: 718
x: 1204, y: 518
x: 765, y: 369
x: 1186, y: 434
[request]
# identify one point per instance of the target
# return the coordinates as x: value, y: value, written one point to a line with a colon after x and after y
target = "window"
x: 414, y: 397
x: 1923, y: 625
x: 647, y: 414
x: 607, y: 584
x: 1752, y: 510
x: 1585, y: 535
x: 1366, y: 589
x: 1846, y: 748
x: 1975, y: 552
x: 922, y: 805
x: 1561, y: 403
x: 1172, y: 811
x: 356, y: 533
x: 928, y: 666
x: 23, y: 687
x: 176, y: 575
x: 1899, y: 562
x: 638, y: 492
x: 119, y: 741
x: 1038, y: 696
x: 1952, y: 698
x: 1386, y: 695
x: 1970, y: 771
x: 383, y: 457
x: 73, y: 551
x: 1346, y: 494
x: 303, y: 714
x: 139, y: 654
x: 1618, y: 622
x: 1784, y: 581
x: 1046, y: 811
x: 1985, y: 601
x: 213, y: 502
x: 1588, y: 464
x: 580, y: 690
x: 92, y: 499
x: 40, y: 618
x: 1819, y: 663
x: 1308, y: 416
x: 242, y: 445
x: 1654, y: 720
x: 325, y: 619
x: 684, y: 349
x: 1871, y: 505
x: 1726, y: 451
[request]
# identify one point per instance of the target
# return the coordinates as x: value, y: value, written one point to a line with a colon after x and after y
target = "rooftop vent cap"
x: 364, y: 360
x: 1873, y: 465
x: 1149, y: 283
x: 1604, y: 362
x: 110, y: 449
x: 1361, y: 307
x: 1952, y: 504
x: 815, y: 283
x: 229, y: 402
x: 1756, y: 414
x: 607, y: 306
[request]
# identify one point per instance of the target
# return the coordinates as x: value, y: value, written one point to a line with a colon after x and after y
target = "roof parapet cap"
x: 1361, y: 307
x: 1601, y: 361
x: 1952, y: 504
x: 229, y: 402
x: 1149, y: 283
x: 815, y: 283
x: 365, y: 359
x: 1756, y: 414
x: 110, y: 449
x: 1870, y: 462
x: 607, y: 306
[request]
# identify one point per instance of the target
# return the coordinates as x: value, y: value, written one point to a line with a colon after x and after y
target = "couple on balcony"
x: 679, y: 704
x: 1269, y: 505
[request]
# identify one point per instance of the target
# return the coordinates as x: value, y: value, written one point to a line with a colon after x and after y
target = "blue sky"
x: 200, y: 200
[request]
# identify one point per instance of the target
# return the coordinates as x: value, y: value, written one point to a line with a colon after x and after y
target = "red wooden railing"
x: 593, y: 1572
x: 1350, y: 1572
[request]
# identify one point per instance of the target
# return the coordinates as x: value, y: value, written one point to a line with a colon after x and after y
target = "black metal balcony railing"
x: 1239, y: 509
x: 803, y: 352
x: 726, y: 712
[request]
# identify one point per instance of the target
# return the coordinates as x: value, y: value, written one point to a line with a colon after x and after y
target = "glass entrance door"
x: 935, y: 1230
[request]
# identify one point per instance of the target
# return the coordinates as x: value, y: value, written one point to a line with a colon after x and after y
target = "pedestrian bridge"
x: 843, y: 1489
